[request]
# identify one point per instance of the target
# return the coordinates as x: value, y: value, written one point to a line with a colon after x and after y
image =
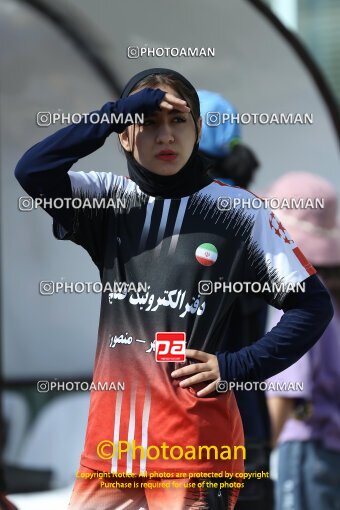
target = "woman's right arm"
x: 43, y: 169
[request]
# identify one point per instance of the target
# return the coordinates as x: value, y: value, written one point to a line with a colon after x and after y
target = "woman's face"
x: 164, y: 143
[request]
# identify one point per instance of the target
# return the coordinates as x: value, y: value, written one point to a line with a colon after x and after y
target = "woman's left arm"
x: 306, y: 317
x: 307, y: 314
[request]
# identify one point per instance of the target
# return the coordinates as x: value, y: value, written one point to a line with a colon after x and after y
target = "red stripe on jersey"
x: 304, y: 262
x: 223, y: 183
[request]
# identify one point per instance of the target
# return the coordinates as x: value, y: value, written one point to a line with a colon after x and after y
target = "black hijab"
x: 190, y: 178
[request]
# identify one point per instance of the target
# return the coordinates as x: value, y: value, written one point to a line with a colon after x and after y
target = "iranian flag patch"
x: 206, y: 254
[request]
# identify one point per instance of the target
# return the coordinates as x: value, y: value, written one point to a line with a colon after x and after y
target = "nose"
x: 164, y: 133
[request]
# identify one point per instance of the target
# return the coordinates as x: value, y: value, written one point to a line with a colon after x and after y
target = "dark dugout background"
x: 72, y: 57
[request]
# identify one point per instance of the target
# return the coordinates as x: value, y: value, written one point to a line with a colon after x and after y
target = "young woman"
x: 171, y: 233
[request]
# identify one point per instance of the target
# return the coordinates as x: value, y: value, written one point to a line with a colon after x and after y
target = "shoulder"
x: 105, y: 182
x: 227, y: 197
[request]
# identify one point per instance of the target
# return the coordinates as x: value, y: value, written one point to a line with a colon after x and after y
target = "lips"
x: 166, y: 155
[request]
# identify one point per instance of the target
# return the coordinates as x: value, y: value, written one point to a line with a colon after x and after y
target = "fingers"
x: 190, y: 370
x: 199, y: 355
x: 196, y: 379
x: 171, y: 102
x: 208, y: 389
x: 207, y: 370
x: 207, y: 362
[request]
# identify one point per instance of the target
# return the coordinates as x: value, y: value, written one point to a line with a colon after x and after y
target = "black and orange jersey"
x: 165, y: 252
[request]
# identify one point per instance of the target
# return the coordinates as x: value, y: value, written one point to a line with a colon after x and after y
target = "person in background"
x: 231, y: 160
x: 233, y: 163
x: 306, y: 423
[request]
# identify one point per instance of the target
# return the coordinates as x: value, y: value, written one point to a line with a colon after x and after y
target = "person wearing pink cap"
x: 306, y: 423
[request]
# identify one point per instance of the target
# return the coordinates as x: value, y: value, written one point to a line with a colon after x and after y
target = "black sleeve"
x: 306, y: 317
x: 43, y: 169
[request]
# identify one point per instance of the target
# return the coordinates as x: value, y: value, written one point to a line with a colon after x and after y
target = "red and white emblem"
x: 279, y: 229
x: 170, y: 346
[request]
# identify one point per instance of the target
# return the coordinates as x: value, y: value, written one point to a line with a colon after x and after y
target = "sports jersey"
x: 169, y: 246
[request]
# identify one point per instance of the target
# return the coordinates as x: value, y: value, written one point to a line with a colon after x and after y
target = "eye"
x: 148, y: 121
x: 179, y: 119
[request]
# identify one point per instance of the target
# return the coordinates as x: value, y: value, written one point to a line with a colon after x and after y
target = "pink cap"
x: 314, y: 228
